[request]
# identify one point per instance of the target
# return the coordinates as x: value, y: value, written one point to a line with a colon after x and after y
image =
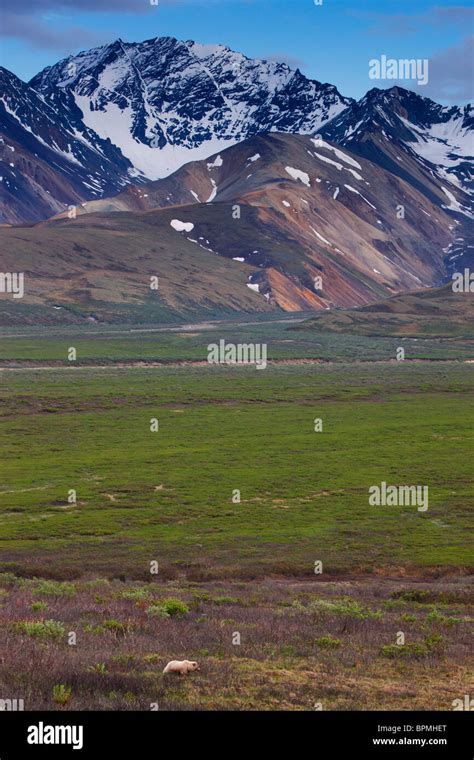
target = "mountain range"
x: 136, y: 112
x: 274, y: 190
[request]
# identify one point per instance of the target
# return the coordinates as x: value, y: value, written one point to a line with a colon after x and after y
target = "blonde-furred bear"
x: 183, y: 667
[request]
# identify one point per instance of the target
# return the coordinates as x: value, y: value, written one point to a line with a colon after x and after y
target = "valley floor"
x: 122, y: 548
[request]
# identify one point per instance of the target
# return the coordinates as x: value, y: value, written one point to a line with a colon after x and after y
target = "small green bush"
x: 346, y: 606
x: 125, y: 659
x: 411, y: 650
x: 152, y: 658
x: 354, y: 609
x: 47, y: 629
x: 8, y: 579
x: 436, y: 617
x: 435, y: 642
x: 200, y: 595
x: 53, y: 588
x: 61, y: 694
x: 39, y: 606
x: 413, y: 595
x: 115, y: 626
x: 156, y: 610
x: 327, y: 642
x: 168, y: 608
x: 136, y: 594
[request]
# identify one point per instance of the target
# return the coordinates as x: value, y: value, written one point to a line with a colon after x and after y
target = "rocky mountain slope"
x: 423, y: 143
x: 46, y: 164
x: 300, y: 224
x: 344, y: 210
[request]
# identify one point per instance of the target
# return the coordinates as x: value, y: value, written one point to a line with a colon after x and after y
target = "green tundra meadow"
x: 156, y: 509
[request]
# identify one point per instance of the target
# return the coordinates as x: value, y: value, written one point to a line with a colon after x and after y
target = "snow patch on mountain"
x: 353, y: 190
x: 338, y: 166
x: 444, y: 143
x: 116, y: 125
x: 323, y: 239
x: 319, y: 143
x: 216, y: 163
x: 454, y: 204
x: 179, y: 226
x: 213, y: 192
x: 297, y: 174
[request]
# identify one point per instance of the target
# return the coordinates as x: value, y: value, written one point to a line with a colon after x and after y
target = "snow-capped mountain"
x: 164, y: 102
x: 127, y: 113
x: 386, y: 121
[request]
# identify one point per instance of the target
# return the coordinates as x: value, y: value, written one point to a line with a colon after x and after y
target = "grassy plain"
x: 287, y: 338
x: 247, y: 566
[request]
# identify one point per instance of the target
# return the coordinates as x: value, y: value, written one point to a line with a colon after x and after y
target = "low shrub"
x: 327, y: 642
x: 168, y: 608
x: 47, y: 629
x: 53, y: 588
x: 61, y: 695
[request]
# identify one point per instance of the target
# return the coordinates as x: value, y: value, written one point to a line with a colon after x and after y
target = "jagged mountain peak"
x: 136, y: 111
x: 164, y: 101
x: 417, y: 108
x: 387, y: 124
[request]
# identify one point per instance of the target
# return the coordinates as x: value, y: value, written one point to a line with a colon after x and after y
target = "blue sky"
x: 332, y: 42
